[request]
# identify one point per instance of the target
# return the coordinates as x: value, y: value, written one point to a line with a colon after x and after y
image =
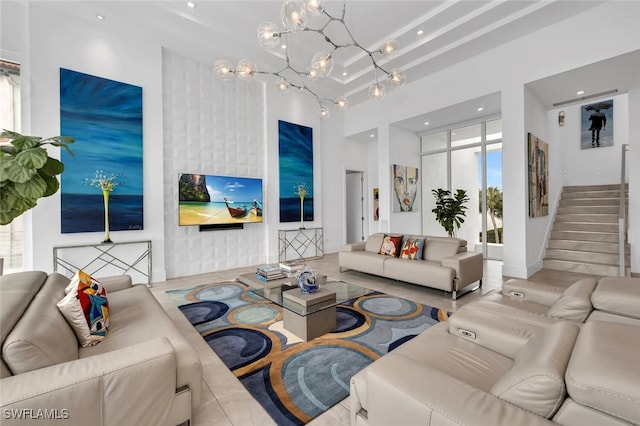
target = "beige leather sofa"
x: 446, y: 264
x: 143, y: 373
x: 567, y: 373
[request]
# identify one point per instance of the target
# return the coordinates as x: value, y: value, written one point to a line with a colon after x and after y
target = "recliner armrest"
x: 542, y: 294
x: 468, y: 266
x: 134, y: 385
x: 402, y: 391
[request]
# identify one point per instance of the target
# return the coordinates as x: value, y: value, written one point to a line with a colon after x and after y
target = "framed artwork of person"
x: 405, y: 188
x: 597, y: 125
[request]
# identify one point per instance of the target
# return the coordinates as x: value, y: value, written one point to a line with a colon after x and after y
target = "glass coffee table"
x: 310, y: 315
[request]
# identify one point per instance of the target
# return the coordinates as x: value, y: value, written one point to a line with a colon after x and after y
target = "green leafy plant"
x: 27, y: 173
x: 450, y: 210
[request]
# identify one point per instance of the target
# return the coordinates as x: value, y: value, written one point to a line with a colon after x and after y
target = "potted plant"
x: 450, y: 210
x: 27, y: 173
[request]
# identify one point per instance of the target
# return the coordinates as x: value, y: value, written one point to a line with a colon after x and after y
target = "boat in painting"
x: 236, y: 211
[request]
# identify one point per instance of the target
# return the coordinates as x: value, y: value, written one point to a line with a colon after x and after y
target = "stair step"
x: 598, y: 209
x: 605, y: 237
x: 580, y: 188
x: 593, y: 246
x: 583, y: 256
x: 590, y: 202
x: 591, y: 194
x: 586, y: 226
x: 584, y: 268
x: 592, y: 218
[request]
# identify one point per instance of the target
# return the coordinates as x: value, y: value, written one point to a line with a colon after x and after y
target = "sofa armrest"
x: 116, y: 283
x: 402, y: 391
x: 354, y: 247
x: 542, y: 294
x: 468, y: 266
x: 134, y: 385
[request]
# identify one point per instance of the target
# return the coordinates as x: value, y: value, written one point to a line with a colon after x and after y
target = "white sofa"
x: 568, y: 372
x: 445, y: 265
x: 143, y: 373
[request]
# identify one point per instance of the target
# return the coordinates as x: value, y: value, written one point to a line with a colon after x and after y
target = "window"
x: 11, y: 241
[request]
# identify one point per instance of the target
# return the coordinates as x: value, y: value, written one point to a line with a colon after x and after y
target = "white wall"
x: 633, y: 160
x: 93, y: 50
x: 549, y: 51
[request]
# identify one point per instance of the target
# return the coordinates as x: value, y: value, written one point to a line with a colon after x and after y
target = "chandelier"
x: 295, y: 16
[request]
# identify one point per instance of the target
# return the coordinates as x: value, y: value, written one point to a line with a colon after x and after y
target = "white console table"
x: 104, y: 259
x: 296, y: 244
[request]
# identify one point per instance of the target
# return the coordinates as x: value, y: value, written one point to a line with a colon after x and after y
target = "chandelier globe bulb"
x: 389, y: 47
x: 323, y: 62
x: 315, y: 7
x: 246, y: 69
x: 341, y: 103
x: 312, y: 73
x: 282, y: 86
x: 223, y: 69
x: 377, y: 91
x: 324, y: 113
x: 294, y: 15
x: 397, y: 78
x: 268, y: 34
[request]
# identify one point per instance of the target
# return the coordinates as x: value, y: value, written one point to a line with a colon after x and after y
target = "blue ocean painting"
x: 296, y: 167
x: 105, y: 118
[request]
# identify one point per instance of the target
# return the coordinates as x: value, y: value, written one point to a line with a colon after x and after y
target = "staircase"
x: 584, y: 237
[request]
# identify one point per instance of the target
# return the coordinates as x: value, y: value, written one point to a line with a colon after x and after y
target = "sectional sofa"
x: 578, y: 371
x: 143, y: 372
x: 443, y: 264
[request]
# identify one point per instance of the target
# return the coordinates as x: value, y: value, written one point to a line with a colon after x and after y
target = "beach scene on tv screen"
x: 213, y: 199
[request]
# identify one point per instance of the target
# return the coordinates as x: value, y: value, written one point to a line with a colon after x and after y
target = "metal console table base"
x: 126, y: 258
x: 296, y: 244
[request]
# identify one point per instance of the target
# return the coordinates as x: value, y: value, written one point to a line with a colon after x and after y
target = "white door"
x: 354, y: 203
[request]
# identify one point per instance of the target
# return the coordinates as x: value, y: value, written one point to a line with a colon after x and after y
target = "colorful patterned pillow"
x: 391, y: 245
x: 412, y: 248
x: 86, y: 309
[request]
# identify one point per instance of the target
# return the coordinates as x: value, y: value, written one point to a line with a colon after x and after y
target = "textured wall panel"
x: 210, y: 127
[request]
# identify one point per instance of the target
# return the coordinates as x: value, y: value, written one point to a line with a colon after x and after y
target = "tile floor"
x: 226, y: 402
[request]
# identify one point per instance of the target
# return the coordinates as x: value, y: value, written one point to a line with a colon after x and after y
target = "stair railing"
x: 622, y: 215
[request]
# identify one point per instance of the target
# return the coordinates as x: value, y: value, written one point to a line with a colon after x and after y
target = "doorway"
x: 354, y: 206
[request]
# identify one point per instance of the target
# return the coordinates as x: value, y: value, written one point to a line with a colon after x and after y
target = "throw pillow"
x: 391, y: 245
x: 412, y: 248
x: 86, y: 309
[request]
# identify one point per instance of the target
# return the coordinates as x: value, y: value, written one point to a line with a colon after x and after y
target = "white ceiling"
x: 453, y: 30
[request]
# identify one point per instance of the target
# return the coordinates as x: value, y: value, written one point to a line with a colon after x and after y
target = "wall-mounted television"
x: 218, y: 200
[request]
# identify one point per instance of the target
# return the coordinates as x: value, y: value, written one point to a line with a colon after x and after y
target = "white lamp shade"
x: 268, y: 34
x: 223, y: 69
x: 294, y: 15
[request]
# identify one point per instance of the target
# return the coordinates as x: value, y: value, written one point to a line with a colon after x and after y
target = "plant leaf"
x: 33, y: 158
x: 11, y: 170
x: 31, y: 189
x: 51, y: 182
x: 52, y: 167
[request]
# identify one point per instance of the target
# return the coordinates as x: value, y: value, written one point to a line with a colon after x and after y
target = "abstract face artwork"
x: 405, y: 186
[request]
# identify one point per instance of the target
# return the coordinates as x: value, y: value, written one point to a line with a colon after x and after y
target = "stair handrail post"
x: 622, y: 215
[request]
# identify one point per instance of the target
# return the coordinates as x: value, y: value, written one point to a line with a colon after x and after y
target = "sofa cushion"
x: 603, y: 371
x: 374, y: 242
x: 412, y: 248
x: 86, y: 309
x: 42, y: 336
x: 440, y: 248
x: 618, y: 295
x: 391, y: 245
x: 535, y: 382
x: 575, y: 302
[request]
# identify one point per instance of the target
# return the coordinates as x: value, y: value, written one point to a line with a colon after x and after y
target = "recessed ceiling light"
x: 284, y: 46
x: 480, y: 109
x: 100, y: 17
x: 420, y: 32
x: 344, y: 74
x: 191, y: 4
x: 372, y: 135
x: 580, y: 92
x: 426, y: 123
